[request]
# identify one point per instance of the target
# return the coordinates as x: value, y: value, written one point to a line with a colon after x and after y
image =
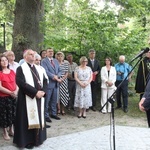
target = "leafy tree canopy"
x: 112, y: 28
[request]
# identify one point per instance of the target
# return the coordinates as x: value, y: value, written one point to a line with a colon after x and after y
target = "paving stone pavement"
x: 126, y: 138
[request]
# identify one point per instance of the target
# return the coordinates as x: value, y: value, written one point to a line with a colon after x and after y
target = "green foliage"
x: 6, y: 15
x: 134, y: 111
x: 80, y: 25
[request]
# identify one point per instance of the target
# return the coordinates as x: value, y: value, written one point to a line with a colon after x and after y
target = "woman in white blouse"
x: 108, y: 79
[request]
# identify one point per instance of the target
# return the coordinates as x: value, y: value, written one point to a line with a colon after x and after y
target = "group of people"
x: 22, y: 92
x: 37, y: 89
x: 41, y: 86
x: 70, y: 84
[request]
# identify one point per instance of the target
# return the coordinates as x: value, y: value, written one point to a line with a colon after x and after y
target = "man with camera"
x: 123, y: 69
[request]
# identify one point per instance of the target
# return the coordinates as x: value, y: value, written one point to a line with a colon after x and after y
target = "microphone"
x: 141, y: 53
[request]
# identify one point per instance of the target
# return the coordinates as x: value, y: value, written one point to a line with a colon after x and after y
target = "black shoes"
x: 79, y: 116
x: 29, y: 146
x: 118, y: 107
x: 83, y: 116
x: 52, y: 116
x: 48, y: 120
x: 93, y: 108
x: 125, y: 110
x: 47, y: 126
x: 55, y: 117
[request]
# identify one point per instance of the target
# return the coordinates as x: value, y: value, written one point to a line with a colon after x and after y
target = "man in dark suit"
x: 144, y: 104
x: 53, y: 71
x: 94, y: 64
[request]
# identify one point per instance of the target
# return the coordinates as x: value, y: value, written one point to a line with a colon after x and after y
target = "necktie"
x: 52, y: 63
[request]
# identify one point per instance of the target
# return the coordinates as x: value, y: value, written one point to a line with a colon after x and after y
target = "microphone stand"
x: 111, y: 99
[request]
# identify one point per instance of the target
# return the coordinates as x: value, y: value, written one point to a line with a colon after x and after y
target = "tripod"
x: 111, y: 100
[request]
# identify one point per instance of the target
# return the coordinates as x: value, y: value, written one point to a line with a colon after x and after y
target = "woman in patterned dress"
x: 8, y: 94
x: 63, y: 88
x: 83, y: 77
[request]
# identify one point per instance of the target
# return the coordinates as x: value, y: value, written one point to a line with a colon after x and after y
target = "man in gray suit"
x: 53, y: 71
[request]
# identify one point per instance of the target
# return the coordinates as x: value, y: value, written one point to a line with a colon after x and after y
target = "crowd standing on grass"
x: 49, y: 86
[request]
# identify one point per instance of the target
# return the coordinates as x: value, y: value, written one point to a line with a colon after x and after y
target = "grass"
x: 133, y: 107
x: 133, y: 102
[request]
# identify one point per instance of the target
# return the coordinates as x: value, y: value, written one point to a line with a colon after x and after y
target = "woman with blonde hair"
x: 63, y: 93
x: 83, y: 77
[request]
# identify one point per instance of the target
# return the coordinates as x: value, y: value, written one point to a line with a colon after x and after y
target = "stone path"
x: 126, y: 138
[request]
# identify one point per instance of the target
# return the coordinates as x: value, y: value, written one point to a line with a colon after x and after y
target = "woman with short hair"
x: 83, y: 77
x: 63, y: 92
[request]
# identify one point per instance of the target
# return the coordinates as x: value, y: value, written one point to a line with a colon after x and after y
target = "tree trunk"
x: 26, y: 30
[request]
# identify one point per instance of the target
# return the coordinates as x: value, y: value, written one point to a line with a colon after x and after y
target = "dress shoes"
x: 104, y: 112
x: 118, y: 107
x: 55, y: 117
x: 48, y: 120
x: 83, y: 116
x: 125, y: 110
x: 29, y: 146
x: 93, y: 108
x: 48, y: 126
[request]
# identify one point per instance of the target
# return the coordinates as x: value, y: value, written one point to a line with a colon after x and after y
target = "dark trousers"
x: 93, y: 90
x: 122, y: 91
x: 148, y: 117
x: 141, y: 95
x: 72, y: 90
x: 147, y: 112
